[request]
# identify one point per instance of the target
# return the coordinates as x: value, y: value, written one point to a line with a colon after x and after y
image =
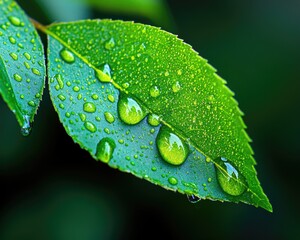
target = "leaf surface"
x: 95, y: 65
x: 22, y: 64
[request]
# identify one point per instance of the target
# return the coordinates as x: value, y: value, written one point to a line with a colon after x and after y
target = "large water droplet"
x: 26, y: 128
x: 230, y: 180
x: 153, y: 120
x: 105, y: 149
x: 130, y: 111
x: 89, y: 107
x: 172, y: 149
x: 192, y: 198
x: 103, y: 73
x: 67, y: 56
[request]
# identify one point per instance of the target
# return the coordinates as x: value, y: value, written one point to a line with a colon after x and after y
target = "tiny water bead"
x: 103, y: 73
x: 193, y: 198
x: 130, y: 111
x: 171, y: 148
x: 67, y: 56
x: 105, y: 149
x: 230, y: 180
x: 26, y: 128
x: 153, y: 120
x: 89, y: 107
x: 154, y: 91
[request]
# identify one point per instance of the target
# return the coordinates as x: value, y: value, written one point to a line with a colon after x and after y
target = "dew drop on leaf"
x: 130, y: 111
x: 230, y: 180
x: 103, y: 73
x: 36, y: 71
x: 14, y: 56
x: 12, y: 40
x: 26, y: 128
x: 154, y: 91
x: 90, y: 126
x: 111, y: 98
x: 27, y: 55
x: 105, y: 149
x: 15, y: 21
x: 171, y: 148
x: 172, y: 180
x: 109, y: 117
x: 89, y: 107
x: 153, y: 120
x: 67, y: 56
x: 192, y: 198
x: 110, y: 44
x: 176, y: 87
x: 17, y: 77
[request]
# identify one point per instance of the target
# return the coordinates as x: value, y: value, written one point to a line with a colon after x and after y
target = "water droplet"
x: 61, y: 97
x: 12, y: 40
x: 36, y: 71
x: 111, y: 98
x: 172, y: 180
x: 130, y: 111
x: 109, y: 117
x: 176, y: 87
x: 172, y: 149
x: 154, y: 91
x: 95, y: 97
x: 17, y: 77
x: 31, y: 103
x: 67, y: 56
x: 59, y: 80
x: 89, y: 107
x: 76, y: 89
x: 230, y: 180
x: 14, y: 56
x: 26, y: 128
x: 105, y: 149
x: 103, y: 73
x: 27, y: 55
x: 15, y: 21
x: 90, y: 126
x: 82, y: 117
x: 192, y: 198
x: 153, y: 120
x: 110, y: 44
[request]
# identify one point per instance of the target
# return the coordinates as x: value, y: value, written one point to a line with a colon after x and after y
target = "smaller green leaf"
x: 22, y: 64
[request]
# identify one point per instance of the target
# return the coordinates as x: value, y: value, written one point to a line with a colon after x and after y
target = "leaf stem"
x: 38, y: 25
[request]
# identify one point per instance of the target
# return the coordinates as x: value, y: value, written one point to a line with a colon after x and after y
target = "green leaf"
x: 22, y: 64
x: 106, y: 76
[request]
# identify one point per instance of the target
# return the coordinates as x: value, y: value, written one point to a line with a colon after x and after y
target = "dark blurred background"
x: 52, y: 189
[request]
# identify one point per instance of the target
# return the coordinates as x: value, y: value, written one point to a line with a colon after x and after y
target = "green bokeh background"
x: 52, y: 189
